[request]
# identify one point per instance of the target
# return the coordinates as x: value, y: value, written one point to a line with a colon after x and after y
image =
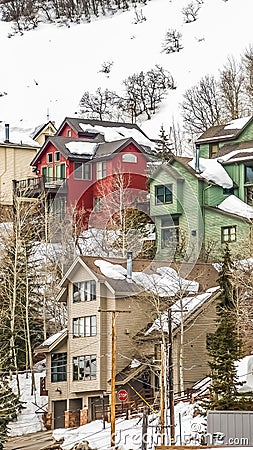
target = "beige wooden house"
x: 78, y: 359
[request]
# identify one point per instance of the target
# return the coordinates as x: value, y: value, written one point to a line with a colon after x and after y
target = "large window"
x: 58, y: 367
x: 47, y: 173
x: 84, y: 291
x: 85, y: 326
x: 163, y: 194
x: 60, y: 171
x: 84, y: 367
x: 101, y: 170
x: 82, y: 171
x: 228, y: 234
x: 169, y: 232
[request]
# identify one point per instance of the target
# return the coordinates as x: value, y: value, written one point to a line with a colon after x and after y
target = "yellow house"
x: 17, y: 149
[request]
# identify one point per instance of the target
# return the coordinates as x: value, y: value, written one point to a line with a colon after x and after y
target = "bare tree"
x: 247, y: 62
x: 232, y: 81
x: 201, y: 106
x: 172, y: 41
x: 100, y: 105
x: 190, y: 12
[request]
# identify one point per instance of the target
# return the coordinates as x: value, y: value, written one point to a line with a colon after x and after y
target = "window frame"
x: 49, y: 157
x: 212, y: 153
x: 83, y: 166
x: 172, y: 227
x: 57, y: 156
x: 85, y: 326
x: 83, y: 367
x: 248, y: 180
x: 226, y: 235
x: 60, y: 361
x: 167, y: 194
x: 86, y: 290
x: 129, y: 158
x: 101, y: 170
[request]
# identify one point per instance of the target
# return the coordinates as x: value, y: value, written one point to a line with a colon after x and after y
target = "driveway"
x: 33, y: 441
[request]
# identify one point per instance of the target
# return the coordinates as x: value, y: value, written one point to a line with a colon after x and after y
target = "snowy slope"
x: 47, y: 70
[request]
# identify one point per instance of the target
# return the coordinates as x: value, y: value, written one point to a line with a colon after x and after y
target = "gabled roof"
x: 228, y: 131
x: 52, y: 342
x: 170, y: 170
x: 75, y: 124
x: 91, y: 149
x: 41, y: 127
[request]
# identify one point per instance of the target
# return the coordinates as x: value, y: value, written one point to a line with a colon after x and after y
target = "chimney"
x: 129, y: 265
x: 197, y: 158
x: 7, y: 132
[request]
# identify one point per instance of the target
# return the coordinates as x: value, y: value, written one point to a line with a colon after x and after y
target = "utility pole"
x: 171, y: 381
x: 113, y: 371
x: 162, y: 395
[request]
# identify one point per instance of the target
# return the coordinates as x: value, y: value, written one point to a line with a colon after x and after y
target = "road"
x: 33, y: 441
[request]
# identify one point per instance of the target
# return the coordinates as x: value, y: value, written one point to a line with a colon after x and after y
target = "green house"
x: 201, y: 203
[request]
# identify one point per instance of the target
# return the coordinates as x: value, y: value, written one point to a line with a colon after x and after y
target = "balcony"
x: 33, y: 187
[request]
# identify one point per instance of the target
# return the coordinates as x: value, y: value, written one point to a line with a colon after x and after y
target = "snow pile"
x: 30, y: 418
x: 245, y: 373
x: 213, y: 171
x: 181, y: 308
x: 166, y: 282
x: 234, y: 205
x: 82, y: 148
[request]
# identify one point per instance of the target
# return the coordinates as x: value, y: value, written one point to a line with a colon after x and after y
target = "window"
x: 163, y: 194
x: 213, y: 150
x: 169, y: 232
x: 58, y: 367
x: 47, y: 173
x: 228, y: 191
x: 101, y: 170
x: 84, y: 367
x: 60, y: 171
x: 97, y: 204
x: 57, y: 156
x: 228, y: 234
x: 69, y: 134
x: 129, y: 157
x: 248, y: 174
x: 49, y: 157
x: 85, y: 326
x: 82, y: 171
x: 84, y: 291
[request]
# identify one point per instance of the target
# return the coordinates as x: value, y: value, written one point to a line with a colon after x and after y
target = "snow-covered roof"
x: 116, y: 133
x: 212, y: 170
x: 234, y: 205
x: 18, y: 135
x: 52, y: 339
x: 81, y: 148
x: 166, y: 282
x: 181, y: 308
x: 237, y: 124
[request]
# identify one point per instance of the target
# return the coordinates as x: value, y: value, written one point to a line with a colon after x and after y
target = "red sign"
x: 122, y: 395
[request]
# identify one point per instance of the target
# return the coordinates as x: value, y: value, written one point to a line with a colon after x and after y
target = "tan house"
x: 79, y: 358
x: 18, y: 147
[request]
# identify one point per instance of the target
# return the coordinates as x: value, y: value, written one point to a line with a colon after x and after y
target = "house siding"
x: 215, y: 221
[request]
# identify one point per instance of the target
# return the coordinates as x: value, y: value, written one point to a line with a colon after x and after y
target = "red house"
x: 88, y: 162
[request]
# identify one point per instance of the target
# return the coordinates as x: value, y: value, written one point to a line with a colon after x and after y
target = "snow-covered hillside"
x: 46, y: 70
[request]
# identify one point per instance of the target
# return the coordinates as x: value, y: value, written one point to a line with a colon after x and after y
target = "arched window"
x: 129, y: 157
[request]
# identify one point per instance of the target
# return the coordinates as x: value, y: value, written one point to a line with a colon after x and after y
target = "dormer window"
x: 129, y: 157
x: 49, y: 157
x: 69, y: 134
x: 213, y: 150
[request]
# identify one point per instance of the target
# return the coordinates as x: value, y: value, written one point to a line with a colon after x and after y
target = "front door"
x: 60, y: 407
